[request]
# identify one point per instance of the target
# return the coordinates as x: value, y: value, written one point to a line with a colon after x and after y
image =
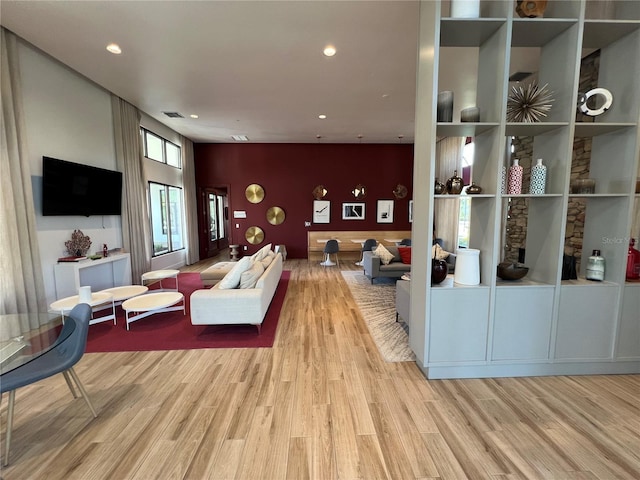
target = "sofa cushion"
x: 438, y: 253
x: 216, y: 272
x: 385, y: 255
x: 249, y: 278
x: 266, y: 261
x: 232, y: 279
x: 263, y: 252
x: 405, y: 254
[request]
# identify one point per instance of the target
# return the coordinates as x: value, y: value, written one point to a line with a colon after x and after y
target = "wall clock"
x: 321, y: 211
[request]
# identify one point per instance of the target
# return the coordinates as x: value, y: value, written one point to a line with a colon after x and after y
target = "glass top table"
x: 21, y: 341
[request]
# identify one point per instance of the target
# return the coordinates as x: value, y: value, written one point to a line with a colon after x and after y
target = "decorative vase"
x: 530, y: 8
x: 503, y: 179
x: 538, y: 178
x: 439, y: 188
x: 465, y: 8
x: 474, y: 189
x: 445, y: 106
x: 471, y: 114
x: 439, y: 271
x: 455, y: 184
x: 514, y: 185
x: 595, y: 267
x: 633, y: 262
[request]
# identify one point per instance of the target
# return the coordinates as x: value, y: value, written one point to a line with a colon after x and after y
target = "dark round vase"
x: 439, y: 271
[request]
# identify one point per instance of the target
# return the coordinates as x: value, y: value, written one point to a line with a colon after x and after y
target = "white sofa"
x: 217, y: 306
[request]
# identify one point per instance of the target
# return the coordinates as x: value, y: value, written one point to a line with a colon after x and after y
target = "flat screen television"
x: 74, y: 189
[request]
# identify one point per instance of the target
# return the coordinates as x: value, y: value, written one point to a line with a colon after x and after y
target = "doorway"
x: 216, y: 221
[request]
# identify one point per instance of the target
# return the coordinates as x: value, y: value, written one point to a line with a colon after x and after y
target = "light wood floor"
x: 319, y: 405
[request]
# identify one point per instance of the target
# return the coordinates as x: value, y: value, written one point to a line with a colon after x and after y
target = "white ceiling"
x: 254, y: 68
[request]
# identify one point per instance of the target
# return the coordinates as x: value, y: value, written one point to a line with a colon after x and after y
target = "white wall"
x: 69, y: 117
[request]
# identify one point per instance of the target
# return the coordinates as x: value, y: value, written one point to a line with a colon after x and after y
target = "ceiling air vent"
x: 240, y: 138
x: 173, y: 114
x: 519, y: 76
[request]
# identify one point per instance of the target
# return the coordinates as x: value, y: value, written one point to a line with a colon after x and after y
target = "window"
x: 165, y: 205
x: 161, y: 150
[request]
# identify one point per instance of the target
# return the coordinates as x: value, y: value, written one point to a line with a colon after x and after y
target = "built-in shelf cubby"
x: 541, y: 324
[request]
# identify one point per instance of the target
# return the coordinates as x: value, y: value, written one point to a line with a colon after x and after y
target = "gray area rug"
x: 377, y: 303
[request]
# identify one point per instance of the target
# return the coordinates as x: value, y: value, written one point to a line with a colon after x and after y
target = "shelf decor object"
x: 254, y: 193
x: 254, y: 235
x: 595, y: 267
x: 595, y: 102
x: 445, y: 106
x: 455, y: 184
x: 439, y: 188
x: 633, y: 262
x: 474, y: 189
x: 79, y: 244
x: 511, y: 271
x: 471, y: 114
x: 275, y: 215
x: 514, y: 181
x: 503, y: 179
x: 439, y: 271
x: 467, y: 270
x: 531, y: 8
x: 321, y: 211
x: 528, y: 103
x: 538, y: 178
x: 582, y: 186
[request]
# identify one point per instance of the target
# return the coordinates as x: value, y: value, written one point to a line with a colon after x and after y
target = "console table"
x: 106, y: 272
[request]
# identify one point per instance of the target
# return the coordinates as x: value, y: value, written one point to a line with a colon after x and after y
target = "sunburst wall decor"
x: 528, y: 103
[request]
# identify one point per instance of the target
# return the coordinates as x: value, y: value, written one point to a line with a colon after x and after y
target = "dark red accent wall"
x: 289, y: 172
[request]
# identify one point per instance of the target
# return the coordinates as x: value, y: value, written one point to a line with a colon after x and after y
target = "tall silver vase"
x: 445, y: 106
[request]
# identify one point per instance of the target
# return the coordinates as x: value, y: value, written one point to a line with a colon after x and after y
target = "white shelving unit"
x: 540, y: 325
x: 109, y: 272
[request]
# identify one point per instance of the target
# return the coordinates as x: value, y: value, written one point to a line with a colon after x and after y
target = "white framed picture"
x: 353, y: 211
x: 410, y: 211
x: 385, y: 211
x: 321, y: 211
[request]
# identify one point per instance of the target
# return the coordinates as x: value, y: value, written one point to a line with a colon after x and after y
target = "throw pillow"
x: 249, y: 278
x: 266, y: 261
x: 438, y: 253
x: 232, y: 279
x: 385, y: 255
x: 405, y: 254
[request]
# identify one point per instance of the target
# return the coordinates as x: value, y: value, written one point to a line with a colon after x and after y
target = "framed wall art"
x: 385, y: 211
x: 353, y: 211
x: 321, y: 211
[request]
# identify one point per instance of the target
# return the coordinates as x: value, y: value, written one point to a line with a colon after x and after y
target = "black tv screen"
x: 74, y: 189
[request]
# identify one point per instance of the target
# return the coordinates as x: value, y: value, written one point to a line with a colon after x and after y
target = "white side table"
x: 159, y: 275
x: 65, y: 305
x: 120, y: 294
x: 145, y: 305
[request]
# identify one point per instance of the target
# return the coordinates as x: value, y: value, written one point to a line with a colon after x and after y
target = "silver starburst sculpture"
x: 528, y: 103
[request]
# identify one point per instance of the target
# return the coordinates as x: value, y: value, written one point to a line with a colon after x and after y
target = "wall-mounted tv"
x: 74, y: 189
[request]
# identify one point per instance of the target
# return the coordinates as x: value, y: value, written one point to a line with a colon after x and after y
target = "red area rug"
x: 174, y: 331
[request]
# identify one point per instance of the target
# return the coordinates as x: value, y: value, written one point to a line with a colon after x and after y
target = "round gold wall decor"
x: 254, y: 193
x: 275, y: 215
x: 254, y: 235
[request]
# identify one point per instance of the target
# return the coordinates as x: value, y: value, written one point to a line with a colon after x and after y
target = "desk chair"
x: 67, y: 351
x: 331, y: 247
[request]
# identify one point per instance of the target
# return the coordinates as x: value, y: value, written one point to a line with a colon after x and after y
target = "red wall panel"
x: 289, y: 172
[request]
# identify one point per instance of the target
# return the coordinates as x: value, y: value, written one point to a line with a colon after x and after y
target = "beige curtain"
x: 447, y: 209
x: 136, y: 235
x: 21, y: 280
x: 190, y: 200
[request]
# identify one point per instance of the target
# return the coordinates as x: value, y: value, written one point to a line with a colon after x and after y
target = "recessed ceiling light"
x: 114, y: 48
x: 193, y: 115
x: 329, y: 51
x: 240, y: 138
x: 322, y: 116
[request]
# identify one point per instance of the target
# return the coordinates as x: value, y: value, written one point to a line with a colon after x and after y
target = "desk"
x: 20, y: 343
x: 107, y: 272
